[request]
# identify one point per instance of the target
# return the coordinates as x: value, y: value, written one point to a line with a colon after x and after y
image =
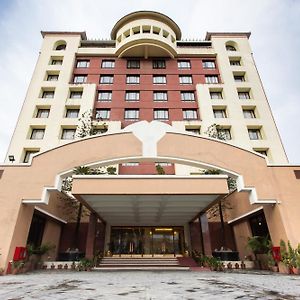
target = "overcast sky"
x: 275, y: 40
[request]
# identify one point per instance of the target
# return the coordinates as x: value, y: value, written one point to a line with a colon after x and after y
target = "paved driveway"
x: 149, y: 285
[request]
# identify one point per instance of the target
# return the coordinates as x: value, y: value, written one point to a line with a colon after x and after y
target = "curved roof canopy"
x: 146, y: 14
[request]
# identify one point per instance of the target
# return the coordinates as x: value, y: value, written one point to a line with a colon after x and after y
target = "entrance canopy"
x: 148, y: 200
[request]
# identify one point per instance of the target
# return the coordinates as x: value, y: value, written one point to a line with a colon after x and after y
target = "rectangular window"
x: 56, y: 62
x: 216, y: 95
x: 28, y: 154
x: 211, y: 79
x: 254, y: 134
x: 239, y: 78
x: 37, y: 134
x: 80, y: 79
x: 161, y: 114
x: 133, y: 64
x: 187, y: 96
x: 132, y: 96
x: 132, y: 79
x: 43, y: 113
x: 76, y: 94
x: 159, y: 64
x: 193, y: 130
x: 107, y: 64
x: 189, y: 114
x: 103, y: 114
x: 130, y: 164
x: 72, y: 113
x: 185, y: 79
x: 224, y: 133
x: 249, y: 114
x: 68, y: 134
x: 263, y: 152
x: 106, y: 79
x: 208, y: 64
x: 48, y: 94
x: 219, y: 113
x: 244, y: 95
x: 131, y: 114
x: 104, y: 96
x: 184, y: 64
x: 163, y: 164
x: 159, y: 79
x: 82, y: 64
x: 160, y: 96
x: 234, y: 62
x: 52, y: 77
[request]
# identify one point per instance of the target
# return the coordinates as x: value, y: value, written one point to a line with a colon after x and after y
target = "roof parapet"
x: 226, y: 34
x: 81, y: 33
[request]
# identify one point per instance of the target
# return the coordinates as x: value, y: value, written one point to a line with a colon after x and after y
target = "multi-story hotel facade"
x: 158, y: 104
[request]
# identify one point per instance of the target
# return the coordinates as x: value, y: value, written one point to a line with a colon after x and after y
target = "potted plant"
x: 85, y: 264
x: 284, y: 265
x: 260, y: 246
x: 17, y: 267
x: 296, y: 261
x: 272, y: 263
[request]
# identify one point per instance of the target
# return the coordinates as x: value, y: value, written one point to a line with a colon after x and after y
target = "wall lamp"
x: 11, y: 158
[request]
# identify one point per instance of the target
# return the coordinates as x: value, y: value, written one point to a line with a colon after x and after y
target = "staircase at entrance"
x: 117, y: 263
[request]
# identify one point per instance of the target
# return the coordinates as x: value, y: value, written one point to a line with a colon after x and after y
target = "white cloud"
x: 274, y: 25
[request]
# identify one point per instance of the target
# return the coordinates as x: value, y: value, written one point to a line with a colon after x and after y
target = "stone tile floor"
x: 149, y: 285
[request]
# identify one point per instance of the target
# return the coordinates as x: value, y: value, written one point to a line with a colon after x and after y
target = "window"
x: 161, y: 114
x: 224, y: 133
x: 160, y: 96
x: 52, y: 77
x: 159, y: 64
x: 239, y: 78
x: 68, y: 134
x: 132, y: 79
x: 48, y: 94
x: 235, y: 62
x: 184, y: 64
x: 82, y: 64
x: 219, y: 113
x: 80, y: 79
x: 28, y: 154
x: 132, y: 96
x: 249, y: 114
x: 43, y: 113
x: 56, y: 62
x: 108, y: 64
x: 72, y: 113
x: 163, y: 164
x: 230, y: 48
x: 102, y: 114
x: 216, y: 95
x: 61, y: 47
x: 76, y: 94
x: 159, y: 79
x: 244, y: 95
x: 104, y: 96
x: 131, y: 114
x: 185, y: 79
x: 208, y: 64
x: 37, y: 134
x: 189, y: 114
x: 133, y: 64
x: 106, y: 79
x: 193, y: 130
x: 130, y: 164
x: 211, y: 79
x: 187, y: 96
x: 254, y: 134
x: 263, y: 152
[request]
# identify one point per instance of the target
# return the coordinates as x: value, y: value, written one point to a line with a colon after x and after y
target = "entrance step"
x: 113, y: 263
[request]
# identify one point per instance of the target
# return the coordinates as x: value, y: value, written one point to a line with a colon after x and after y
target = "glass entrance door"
x: 146, y: 240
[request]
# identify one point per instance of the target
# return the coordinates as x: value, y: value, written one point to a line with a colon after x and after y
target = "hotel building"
x: 157, y: 104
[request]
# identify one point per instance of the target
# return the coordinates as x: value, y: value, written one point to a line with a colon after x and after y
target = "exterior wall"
x: 236, y: 122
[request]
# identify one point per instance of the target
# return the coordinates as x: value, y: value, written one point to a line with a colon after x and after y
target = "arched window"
x: 60, y: 45
x: 231, y: 46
